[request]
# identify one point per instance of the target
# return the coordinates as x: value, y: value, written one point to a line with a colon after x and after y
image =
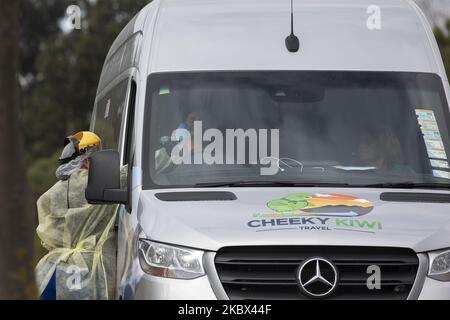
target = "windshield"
x: 304, y: 128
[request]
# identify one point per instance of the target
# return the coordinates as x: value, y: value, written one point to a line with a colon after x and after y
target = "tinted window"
x: 335, y: 127
x: 109, y: 115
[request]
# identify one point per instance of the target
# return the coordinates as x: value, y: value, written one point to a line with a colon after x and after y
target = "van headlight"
x: 166, y: 261
x: 440, y: 265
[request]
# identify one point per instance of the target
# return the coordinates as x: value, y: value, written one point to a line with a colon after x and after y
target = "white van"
x: 258, y: 170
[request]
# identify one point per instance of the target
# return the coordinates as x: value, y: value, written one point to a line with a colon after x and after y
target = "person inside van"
x: 190, y: 120
x: 80, y: 263
x: 163, y: 162
x: 383, y: 153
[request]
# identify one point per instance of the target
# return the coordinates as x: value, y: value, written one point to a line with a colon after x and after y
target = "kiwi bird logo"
x: 322, y: 204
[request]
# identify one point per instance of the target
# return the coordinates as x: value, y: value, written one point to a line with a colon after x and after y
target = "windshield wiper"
x: 407, y: 185
x: 240, y: 184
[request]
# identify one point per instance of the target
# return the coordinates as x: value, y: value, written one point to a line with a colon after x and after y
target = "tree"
x: 39, y: 21
x: 64, y: 87
x: 16, y: 238
x: 40, y: 24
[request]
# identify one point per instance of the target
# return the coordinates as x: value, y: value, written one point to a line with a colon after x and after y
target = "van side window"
x: 109, y: 115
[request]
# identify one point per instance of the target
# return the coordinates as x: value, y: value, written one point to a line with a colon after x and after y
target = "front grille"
x: 262, y: 273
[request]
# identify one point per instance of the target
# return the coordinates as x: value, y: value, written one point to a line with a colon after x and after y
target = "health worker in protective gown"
x: 80, y: 237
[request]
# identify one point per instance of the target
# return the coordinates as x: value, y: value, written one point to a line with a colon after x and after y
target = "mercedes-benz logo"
x: 317, y: 277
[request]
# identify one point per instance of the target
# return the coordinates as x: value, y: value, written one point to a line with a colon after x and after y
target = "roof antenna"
x: 292, y: 41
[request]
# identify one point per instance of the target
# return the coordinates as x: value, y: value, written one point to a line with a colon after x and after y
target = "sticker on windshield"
x: 425, y: 115
x: 434, y: 144
x: 433, y: 139
x: 441, y: 174
x: 436, y: 154
x: 441, y: 164
x: 431, y: 134
x: 164, y: 90
x: 322, y: 205
x: 430, y: 128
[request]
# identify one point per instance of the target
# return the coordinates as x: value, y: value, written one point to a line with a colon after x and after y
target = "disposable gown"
x: 81, y: 240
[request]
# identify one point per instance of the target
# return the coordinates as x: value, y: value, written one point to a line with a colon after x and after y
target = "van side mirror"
x: 104, y: 179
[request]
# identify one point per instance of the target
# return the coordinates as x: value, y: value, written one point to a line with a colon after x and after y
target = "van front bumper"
x: 154, y: 288
x: 209, y: 287
x: 435, y: 290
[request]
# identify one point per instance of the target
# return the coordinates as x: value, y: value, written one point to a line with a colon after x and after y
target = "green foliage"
x: 60, y: 97
x: 39, y: 20
x: 42, y: 173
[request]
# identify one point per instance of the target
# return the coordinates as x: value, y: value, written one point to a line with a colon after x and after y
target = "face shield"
x: 72, y: 160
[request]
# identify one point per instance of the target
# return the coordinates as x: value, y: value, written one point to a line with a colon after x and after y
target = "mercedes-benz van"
x: 274, y: 162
